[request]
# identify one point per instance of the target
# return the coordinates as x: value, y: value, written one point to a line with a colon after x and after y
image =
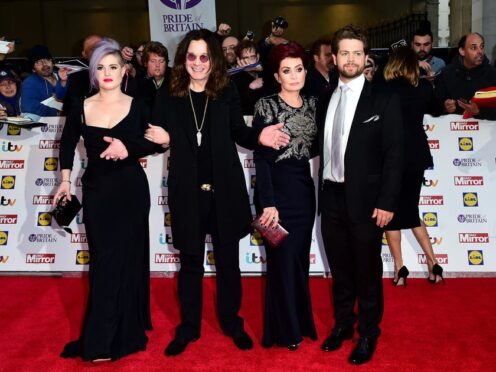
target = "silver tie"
x: 337, y: 166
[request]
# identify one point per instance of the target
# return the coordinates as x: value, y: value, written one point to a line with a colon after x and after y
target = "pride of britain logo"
x: 180, y: 4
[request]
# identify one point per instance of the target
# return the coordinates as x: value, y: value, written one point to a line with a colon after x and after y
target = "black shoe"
x: 437, y: 271
x: 293, y: 347
x: 402, y: 275
x: 71, y: 350
x: 335, y: 340
x: 363, y: 351
x: 178, y: 345
x: 243, y: 341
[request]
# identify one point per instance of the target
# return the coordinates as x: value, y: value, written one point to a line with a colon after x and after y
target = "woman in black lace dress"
x: 116, y: 203
x: 286, y: 193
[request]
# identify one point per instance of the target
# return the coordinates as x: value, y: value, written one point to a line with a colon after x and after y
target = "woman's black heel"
x: 402, y: 275
x: 437, y: 271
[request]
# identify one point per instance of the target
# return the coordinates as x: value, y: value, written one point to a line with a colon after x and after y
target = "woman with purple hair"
x: 116, y: 203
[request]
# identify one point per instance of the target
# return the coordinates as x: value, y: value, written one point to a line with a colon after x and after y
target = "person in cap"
x: 278, y: 26
x: 9, y: 97
x: 43, y: 83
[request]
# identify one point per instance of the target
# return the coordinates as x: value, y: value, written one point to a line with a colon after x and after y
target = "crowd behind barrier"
x: 456, y: 205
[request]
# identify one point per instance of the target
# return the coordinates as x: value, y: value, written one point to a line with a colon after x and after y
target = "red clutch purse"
x: 273, y: 235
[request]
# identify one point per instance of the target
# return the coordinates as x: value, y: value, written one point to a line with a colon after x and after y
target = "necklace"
x: 198, y: 129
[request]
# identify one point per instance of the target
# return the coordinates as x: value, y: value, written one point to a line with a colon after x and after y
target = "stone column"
x: 460, y: 19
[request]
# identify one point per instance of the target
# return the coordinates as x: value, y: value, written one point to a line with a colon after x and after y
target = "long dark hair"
x: 218, y: 78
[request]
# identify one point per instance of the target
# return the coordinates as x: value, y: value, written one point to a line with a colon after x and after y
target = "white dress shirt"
x: 353, y: 95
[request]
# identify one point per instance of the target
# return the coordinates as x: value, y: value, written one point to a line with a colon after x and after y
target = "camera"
x: 280, y: 22
x: 250, y: 35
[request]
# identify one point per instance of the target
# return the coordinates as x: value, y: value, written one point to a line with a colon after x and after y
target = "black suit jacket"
x: 230, y: 194
x: 373, y: 160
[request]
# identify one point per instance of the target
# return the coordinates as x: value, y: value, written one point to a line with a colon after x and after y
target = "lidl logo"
x: 475, y: 258
x: 4, y: 237
x: 210, y: 258
x: 256, y: 239
x: 384, y: 239
x: 13, y: 130
x: 430, y: 219
x: 470, y: 199
x: 465, y: 144
x: 82, y: 257
x: 167, y: 219
x: 44, y: 219
x: 51, y: 164
x: 8, y: 182
x: 253, y: 181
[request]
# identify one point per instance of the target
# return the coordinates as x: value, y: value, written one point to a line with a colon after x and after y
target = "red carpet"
x: 425, y: 328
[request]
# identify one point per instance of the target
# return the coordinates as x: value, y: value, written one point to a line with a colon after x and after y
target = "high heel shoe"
x: 402, y: 275
x: 437, y: 271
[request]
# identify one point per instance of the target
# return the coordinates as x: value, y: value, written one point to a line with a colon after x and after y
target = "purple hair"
x: 102, y: 49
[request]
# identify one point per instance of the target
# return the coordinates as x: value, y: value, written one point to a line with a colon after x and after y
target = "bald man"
x: 469, y: 72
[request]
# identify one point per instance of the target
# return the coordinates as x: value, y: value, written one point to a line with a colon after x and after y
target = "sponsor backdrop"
x: 457, y: 205
x: 170, y: 20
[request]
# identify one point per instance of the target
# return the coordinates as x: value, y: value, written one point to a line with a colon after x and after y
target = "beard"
x: 422, y: 55
x: 351, y: 73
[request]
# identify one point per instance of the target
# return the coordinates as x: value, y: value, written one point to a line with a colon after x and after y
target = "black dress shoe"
x: 335, y: 340
x: 293, y: 347
x: 243, y: 341
x: 363, y: 351
x: 178, y: 345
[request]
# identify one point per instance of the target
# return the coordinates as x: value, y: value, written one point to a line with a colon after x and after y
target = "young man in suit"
x: 360, y: 172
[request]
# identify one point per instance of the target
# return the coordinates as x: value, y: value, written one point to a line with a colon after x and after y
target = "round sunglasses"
x: 204, y: 58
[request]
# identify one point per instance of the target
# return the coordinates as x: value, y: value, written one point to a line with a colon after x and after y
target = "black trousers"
x: 354, y: 255
x: 228, y: 278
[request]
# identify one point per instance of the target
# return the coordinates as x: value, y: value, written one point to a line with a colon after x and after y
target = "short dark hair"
x: 218, y: 78
x: 349, y: 32
x: 154, y: 47
x: 463, y: 40
x: 317, y: 44
x: 245, y: 45
x: 286, y: 50
x: 422, y: 32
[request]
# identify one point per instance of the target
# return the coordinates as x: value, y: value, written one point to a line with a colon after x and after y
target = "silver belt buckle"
x: 207, y: 187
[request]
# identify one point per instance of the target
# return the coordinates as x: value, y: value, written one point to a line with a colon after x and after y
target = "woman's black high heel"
x: 437, y: 271
x: 402, y: 275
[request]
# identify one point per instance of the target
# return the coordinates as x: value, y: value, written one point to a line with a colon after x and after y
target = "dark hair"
x: 422, y: 32
x: 245, y: 45
x: 463, y: 40
x: 403, y: 62
x: 154, y: 47
x: 218, y: 78
x: 286, y: 50
x: 349, y: 32
x: 317, y: 44
x: 103, y: 48
x: 423, y: 29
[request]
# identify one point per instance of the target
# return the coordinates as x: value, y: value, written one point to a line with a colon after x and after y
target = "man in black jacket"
x: 361, y: 147
x: 467, y: 73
